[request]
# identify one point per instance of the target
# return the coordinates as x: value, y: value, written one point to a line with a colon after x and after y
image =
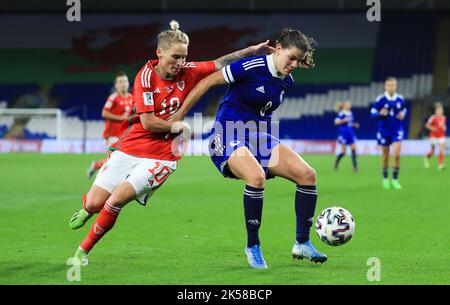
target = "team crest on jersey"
x: 181, y: 85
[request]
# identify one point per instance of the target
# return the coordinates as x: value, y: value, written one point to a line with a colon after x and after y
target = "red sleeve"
x: 204, y: 69
x: 142, y: 94
x: 109, y: 102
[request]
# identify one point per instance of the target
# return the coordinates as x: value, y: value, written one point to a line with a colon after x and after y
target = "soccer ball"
x: 335, y: 226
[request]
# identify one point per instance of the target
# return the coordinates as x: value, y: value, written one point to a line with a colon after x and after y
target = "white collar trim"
x: 390, y: 98
x: 271, y: 64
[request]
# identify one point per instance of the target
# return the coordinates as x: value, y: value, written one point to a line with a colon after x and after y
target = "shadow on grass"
x: 32, y: 273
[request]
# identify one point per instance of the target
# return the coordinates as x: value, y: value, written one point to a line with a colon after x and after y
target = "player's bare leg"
x: 340, y: 156
x: 396, y: 169
x: 426, y: 159
x: 93, y: 203
x: 286, y: 163
x: 245, y: 166
x: 106, y: 219
x: 385, y: 166
x: 441, y: 164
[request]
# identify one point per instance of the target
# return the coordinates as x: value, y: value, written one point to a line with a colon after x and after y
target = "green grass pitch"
x: 192, y: 231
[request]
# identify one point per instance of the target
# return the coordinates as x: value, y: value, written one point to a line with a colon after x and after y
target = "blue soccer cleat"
x: 308, y: 251
x: 255, y: 258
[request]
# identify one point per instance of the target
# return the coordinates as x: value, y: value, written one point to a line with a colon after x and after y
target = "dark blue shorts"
x: 347, y: 138
x: 260, y: 144
x: 388, y: 139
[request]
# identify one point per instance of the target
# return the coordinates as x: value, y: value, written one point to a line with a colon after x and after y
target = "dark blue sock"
x: 355, y: 164
x: 385, y: 173
x: 305, y: 205
x: 338, y: 159
x: 395, y: 172
x: 253, y: 205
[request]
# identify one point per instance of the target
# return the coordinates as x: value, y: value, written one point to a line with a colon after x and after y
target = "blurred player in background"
x: 253, y: 154
x: 344, y: 121
x: 115, y: 111
x: 144, y: 156
x: 436, y: 124
x: 390, y: 111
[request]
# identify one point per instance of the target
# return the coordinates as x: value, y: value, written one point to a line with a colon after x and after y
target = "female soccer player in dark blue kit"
x: 344, y: 121
x: 241, y: 143
x: 390, y: 111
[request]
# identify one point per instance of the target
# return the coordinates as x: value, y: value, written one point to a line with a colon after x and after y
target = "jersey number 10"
x: 171, y: 108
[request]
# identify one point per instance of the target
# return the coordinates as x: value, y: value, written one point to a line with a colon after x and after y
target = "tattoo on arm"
x: 229, y: 58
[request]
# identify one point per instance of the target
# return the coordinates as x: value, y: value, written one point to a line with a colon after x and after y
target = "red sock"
x: 99, y: 163
x: 429, y: 154
x: 441, y: 158
x: 104, y: 222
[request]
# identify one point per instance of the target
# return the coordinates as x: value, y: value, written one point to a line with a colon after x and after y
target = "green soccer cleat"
x: 441, y: 167
x: 386, y: 184
x: 426, y: 162
x: 396, y: 185
x: 81, y: 257
x: 79, y: 218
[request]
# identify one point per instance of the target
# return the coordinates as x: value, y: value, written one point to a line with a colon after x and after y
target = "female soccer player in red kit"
x: 436, y: 124
x: 143, y: 157
x: 115, y: 111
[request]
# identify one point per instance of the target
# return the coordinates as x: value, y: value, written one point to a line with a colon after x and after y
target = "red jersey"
x: 151, y: 93
x: 437, y: 122
x: 117, y: 105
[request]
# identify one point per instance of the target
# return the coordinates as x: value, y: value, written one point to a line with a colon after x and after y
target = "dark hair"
x: 295, y: 38
x: 119, y: 74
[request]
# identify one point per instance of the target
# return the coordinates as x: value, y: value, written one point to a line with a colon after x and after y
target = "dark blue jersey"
x: 347, y: 126
x: 388, y: 125
x: 255, y: 90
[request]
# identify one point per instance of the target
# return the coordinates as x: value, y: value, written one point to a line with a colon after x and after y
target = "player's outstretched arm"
x: 199, y: 90
x: 259, y: 49
x: 151, y: 122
